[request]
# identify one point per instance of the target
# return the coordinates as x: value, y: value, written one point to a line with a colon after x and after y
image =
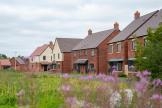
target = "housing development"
x: 98, y: 52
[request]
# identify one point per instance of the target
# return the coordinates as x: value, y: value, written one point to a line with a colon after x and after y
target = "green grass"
x: 41, y: 90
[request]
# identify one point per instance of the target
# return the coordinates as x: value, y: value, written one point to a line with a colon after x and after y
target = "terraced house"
x: 62, y: 54
x: 41, y: 59
x: 121, y: 49
x: 90, y: 54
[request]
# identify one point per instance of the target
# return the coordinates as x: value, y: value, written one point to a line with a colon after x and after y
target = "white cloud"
x: 37, y: 22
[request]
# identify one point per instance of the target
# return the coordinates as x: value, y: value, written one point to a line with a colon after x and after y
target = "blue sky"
x: 26, y: 24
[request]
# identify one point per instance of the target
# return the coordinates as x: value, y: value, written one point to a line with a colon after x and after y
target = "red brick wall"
x: 102, y: 52
x: 91, y: 59
x: 99, y: 60
x: 67, y: 63
x: 116, y: 55
x: 19, y: 67
x: 131, y: 53
x: 35, y: 67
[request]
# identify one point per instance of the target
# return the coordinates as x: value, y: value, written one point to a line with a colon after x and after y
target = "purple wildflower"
x: 146, y: 73
x: 109, y: 79
x: 156, y: 97
x: 71, y: 100
x: 100, y: 76
x: 142, y: 85
x: 89, y: 77
x: 66, y: 88
x: 157, y: 82
x: 65, y: 75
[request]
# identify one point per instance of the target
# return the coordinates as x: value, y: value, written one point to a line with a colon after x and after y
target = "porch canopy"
x: 115, y: 60
x: 81, y: 61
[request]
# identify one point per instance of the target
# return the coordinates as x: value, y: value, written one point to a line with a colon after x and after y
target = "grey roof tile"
x: 19, y: 60
x: 132, y: 27
x: 153, y: 23
x: 92, y: 41
x: 67, y: 44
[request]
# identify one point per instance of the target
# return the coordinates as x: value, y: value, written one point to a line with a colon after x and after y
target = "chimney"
x: 89, y: 32
x: 116, y: 26
x: 136, y: 15
x: 51, y: 44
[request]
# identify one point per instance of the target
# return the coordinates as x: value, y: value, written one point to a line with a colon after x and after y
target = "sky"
x: 27, y: 24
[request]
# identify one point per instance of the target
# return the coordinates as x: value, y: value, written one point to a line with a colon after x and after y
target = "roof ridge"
x: 154, y: 12
x: 101, y: 31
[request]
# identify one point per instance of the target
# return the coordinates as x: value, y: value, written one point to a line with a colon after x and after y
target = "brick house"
x: 5, y: 64
x: 62, y: 54
x: 90, y: 54
x: 41, y: 59
x: 122, y: 47
x: 141, y: 34
x: 19, y: 64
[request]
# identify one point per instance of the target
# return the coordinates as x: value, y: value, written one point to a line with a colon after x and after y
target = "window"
x: 44, y: 57
x: 54, y: 56
x: 92, y: 52
x: 118, y: 47
x: 58, y: 56
x: 133, y: 44
x: 91, y: 67
x: 119, y: 66
x: 110, y: 48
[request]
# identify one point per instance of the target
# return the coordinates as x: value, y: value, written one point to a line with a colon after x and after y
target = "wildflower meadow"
x: 44, y: 90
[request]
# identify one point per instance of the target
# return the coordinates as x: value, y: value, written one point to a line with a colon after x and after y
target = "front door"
x: 45, y: 67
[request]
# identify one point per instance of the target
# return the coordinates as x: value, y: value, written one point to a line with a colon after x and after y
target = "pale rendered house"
x: 41, y: 59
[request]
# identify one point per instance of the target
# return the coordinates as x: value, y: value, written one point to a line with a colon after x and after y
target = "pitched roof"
x: 20, y: 60
x: 153, y: 22
x: 67, y: 44
x: 132, y: 27
x: 5, y: 62
x: 39, y: 50
x: 93, y: 40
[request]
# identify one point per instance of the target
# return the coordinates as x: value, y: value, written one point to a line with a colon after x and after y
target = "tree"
x: 149, y: 57
x: 3, y: 56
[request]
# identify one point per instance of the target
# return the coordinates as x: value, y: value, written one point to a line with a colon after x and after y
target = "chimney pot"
x: 116, y: 26
x: 136, y: 15
x: 89, y: 32
x: 51, y: 44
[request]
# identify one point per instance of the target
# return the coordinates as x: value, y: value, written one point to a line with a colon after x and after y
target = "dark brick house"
x: 19, y: 64
x: 90, y: 54
x: 121, y: 49
x: 62, y: 54
x: 5, y: 64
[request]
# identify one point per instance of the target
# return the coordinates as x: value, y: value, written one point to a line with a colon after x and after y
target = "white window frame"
x: 118, y: 50
x: 92, y: 52
x: 112, y: 48
x: 133, y: 45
